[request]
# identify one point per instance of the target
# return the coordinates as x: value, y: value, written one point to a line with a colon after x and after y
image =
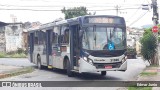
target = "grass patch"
x: 139, y: 88
x: 21, y: 55
x: 12, y: 55
x: 2, y: 55
x: 148, y: 73
x: 153, y: 66
x: 17, y: 72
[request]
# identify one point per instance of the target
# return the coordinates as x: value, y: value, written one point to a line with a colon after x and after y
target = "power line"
x: 60, y: 10
x: 133, y: 14
x: 50, y: 9
x: 135, y: 11
x: 78, y: 2
x: 138, y: 18
x: 6, y: 5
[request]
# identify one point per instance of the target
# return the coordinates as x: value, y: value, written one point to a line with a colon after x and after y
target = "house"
x: 13, y: 36
x: 2, y: 37
x: 133, y: 38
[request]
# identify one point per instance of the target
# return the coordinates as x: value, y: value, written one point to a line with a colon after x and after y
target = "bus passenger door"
x: 56, y: 53
x: 42, y: 47
x: 75, y: 45
x: 31, y: 46
x: 48, y: 47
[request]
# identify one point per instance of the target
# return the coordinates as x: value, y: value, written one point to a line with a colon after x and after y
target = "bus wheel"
x: 103, y: 73
x: 39, y: 62
x: 69, y: 72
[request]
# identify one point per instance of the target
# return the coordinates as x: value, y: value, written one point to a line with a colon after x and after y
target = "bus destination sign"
x: 103, y: 20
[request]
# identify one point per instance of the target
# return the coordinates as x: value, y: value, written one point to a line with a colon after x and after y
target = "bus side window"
x: 40, y: 36
x: 54, y: 38
x: 64, y: 35
x: 56, y: 35
x: 36, y: 38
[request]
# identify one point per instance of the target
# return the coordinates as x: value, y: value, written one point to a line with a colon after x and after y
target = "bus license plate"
x: 108, y: 67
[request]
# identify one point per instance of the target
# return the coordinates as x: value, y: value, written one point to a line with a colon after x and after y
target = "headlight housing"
x: 88, y: 60
x: 124, y: 59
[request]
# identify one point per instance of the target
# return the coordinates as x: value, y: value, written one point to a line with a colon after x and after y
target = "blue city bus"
x: 82, y: 44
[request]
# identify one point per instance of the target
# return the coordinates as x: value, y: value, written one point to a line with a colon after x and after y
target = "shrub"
x: 149, y: 46
x: 2, y: 54
x: 20, y: 50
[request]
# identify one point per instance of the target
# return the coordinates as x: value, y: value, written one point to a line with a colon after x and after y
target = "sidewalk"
x: 150, y: 77
x: 155, y: 77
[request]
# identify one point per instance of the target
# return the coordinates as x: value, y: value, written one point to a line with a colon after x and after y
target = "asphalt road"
x: 135, y: 66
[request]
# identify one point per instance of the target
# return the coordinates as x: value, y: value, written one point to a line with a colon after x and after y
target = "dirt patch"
x: 150, y: 74
x: 16, y: 71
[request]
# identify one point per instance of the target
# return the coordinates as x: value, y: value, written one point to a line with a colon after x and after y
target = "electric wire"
x: 138, y: 18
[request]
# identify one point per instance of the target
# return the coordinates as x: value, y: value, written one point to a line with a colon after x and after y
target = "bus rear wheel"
x: 69, y: 72
x: 103, y: 73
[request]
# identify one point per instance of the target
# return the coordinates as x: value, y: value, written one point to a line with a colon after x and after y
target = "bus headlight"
x: 124, y: 59
x: 88, y: 60
x: 85, y: 58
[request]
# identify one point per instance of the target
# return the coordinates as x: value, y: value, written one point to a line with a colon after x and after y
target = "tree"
x: 75, y: 12
x: 149, y: 46
x: 26, y: 25
x: 148, y: 30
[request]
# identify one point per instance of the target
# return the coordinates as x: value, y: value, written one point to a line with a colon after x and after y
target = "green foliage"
x: 148, y: 73
x: 147, y: 31
x: 75, y: 12
x: 17, y: 72
x: 139, y: 88
x: 18, y: 55
x: 149, y: 45
x: 2, y: 54
x: 14, y: 54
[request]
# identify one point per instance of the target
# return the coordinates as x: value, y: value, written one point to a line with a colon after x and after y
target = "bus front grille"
x: 103, y: 65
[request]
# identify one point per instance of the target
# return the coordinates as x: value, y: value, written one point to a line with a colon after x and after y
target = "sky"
x: 46, y: 11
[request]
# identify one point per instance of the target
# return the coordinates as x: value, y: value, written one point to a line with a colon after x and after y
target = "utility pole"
x: 117, y: 9
x: 155, y: 19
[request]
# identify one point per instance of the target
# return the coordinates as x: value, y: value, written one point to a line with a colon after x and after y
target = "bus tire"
x: 65, y: 64
x: 39, y: 63
x: 103, y: 73
x: 69, y: 72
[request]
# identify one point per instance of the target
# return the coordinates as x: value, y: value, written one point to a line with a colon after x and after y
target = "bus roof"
x: 68, y: 21
x: 80, y: 18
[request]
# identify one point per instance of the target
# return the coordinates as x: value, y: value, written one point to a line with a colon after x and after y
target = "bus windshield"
x: 103, y: 38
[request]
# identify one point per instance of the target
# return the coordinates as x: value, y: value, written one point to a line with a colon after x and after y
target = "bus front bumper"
x: 87, y: 67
